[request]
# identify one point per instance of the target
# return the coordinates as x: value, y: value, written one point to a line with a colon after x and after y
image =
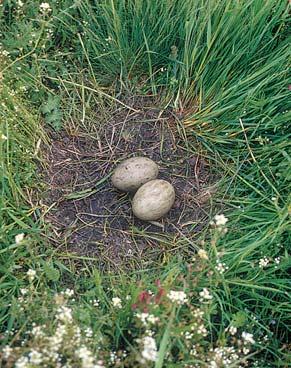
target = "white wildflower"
x: 31, y: 274
x: 4, y: 53
x: 178, y: 297
x: 231, y: 329
x: 86, y: 357
x: 221, y: 267
x: 88, y: 332
x: 7, y: 350
x: 147, y: 318
x: 20, y: 4
x: 3, y: 137
x: 220, y: 220
x: 45, y: 8
x: 263, y: 262
x: 116, y: 302
x: 149, y: 352
x: 245, y: 350
x: 205, y: 295
x: 22, y: 362
x: 64, y: 314
x: 198, y: 313
x: 202, y: 254
x: 95, y: 302
x: 38, y: 332
x: 193, y: 351
x: 69, y: 292
x: 248, y: 337
x: 201, y: 330
x: 19, y: 238
x: 35, y: 357
x: 113, y: 357
x: 188, y: 335
x: 277, y: 260
x: 213, y: 364
x: 56, y: 340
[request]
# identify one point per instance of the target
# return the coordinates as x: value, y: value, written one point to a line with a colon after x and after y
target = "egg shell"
x: 133, y: 173
x: 153, y: 200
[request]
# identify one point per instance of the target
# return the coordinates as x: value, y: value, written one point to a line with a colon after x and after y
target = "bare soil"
x: 90, y: 218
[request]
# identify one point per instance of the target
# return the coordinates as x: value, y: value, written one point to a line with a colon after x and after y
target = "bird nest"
x: 92, y: 220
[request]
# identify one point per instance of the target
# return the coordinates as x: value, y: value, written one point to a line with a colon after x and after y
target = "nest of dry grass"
x: 90, y: 218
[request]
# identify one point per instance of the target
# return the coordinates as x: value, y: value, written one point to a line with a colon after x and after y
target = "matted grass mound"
x: 92, y: 218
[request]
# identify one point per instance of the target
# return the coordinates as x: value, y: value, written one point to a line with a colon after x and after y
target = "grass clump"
x: 224, y: 302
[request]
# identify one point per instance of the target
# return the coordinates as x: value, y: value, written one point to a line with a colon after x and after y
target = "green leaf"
x: 239, y: 319
x: 53, y: 103
x: 52, y: 273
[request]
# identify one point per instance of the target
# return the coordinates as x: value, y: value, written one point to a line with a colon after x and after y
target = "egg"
x: 133, y: 173
x: 153, y: 200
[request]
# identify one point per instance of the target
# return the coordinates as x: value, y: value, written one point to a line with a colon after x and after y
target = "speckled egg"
x: 133, y: 173
x: 153, y: 200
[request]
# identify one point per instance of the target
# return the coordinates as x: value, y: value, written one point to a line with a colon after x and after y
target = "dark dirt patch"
x: 93, y: 219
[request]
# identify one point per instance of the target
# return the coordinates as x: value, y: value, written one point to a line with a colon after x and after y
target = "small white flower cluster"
x: 187, y: 335
x: 86, y: 356
x: 22, y: 362
x: 31, y: 274
x: 219, y: 222
x: 277, y: 260
x: 223, y: 356
x: 19, y: 238
x: 178, y: 297
x: 67, y: 293
x: 149, y: 349
x: 221, y: 267
x: 3, y: 138
x: 116, y: 302
x: 64, y: 314
x: 6, y: 351
x: 202, y: 254
x: 147, y: 318
x: 45, y: 8
x: 248, y: 337
x: 67, y: 341
x: 94, y: 302
x: 3, y: 52
x: 198, y: 313
x: 113, y: 357
x: 231, y: 329
x: 205, y: 296
x: 263, y: 140
x: 38, y: 332
x: 35, y: 357
x: 198, y: 326
x: 263, y: 262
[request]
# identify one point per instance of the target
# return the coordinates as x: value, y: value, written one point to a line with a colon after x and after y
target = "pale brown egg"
x: 153, y: 200
x: 133, y: 173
